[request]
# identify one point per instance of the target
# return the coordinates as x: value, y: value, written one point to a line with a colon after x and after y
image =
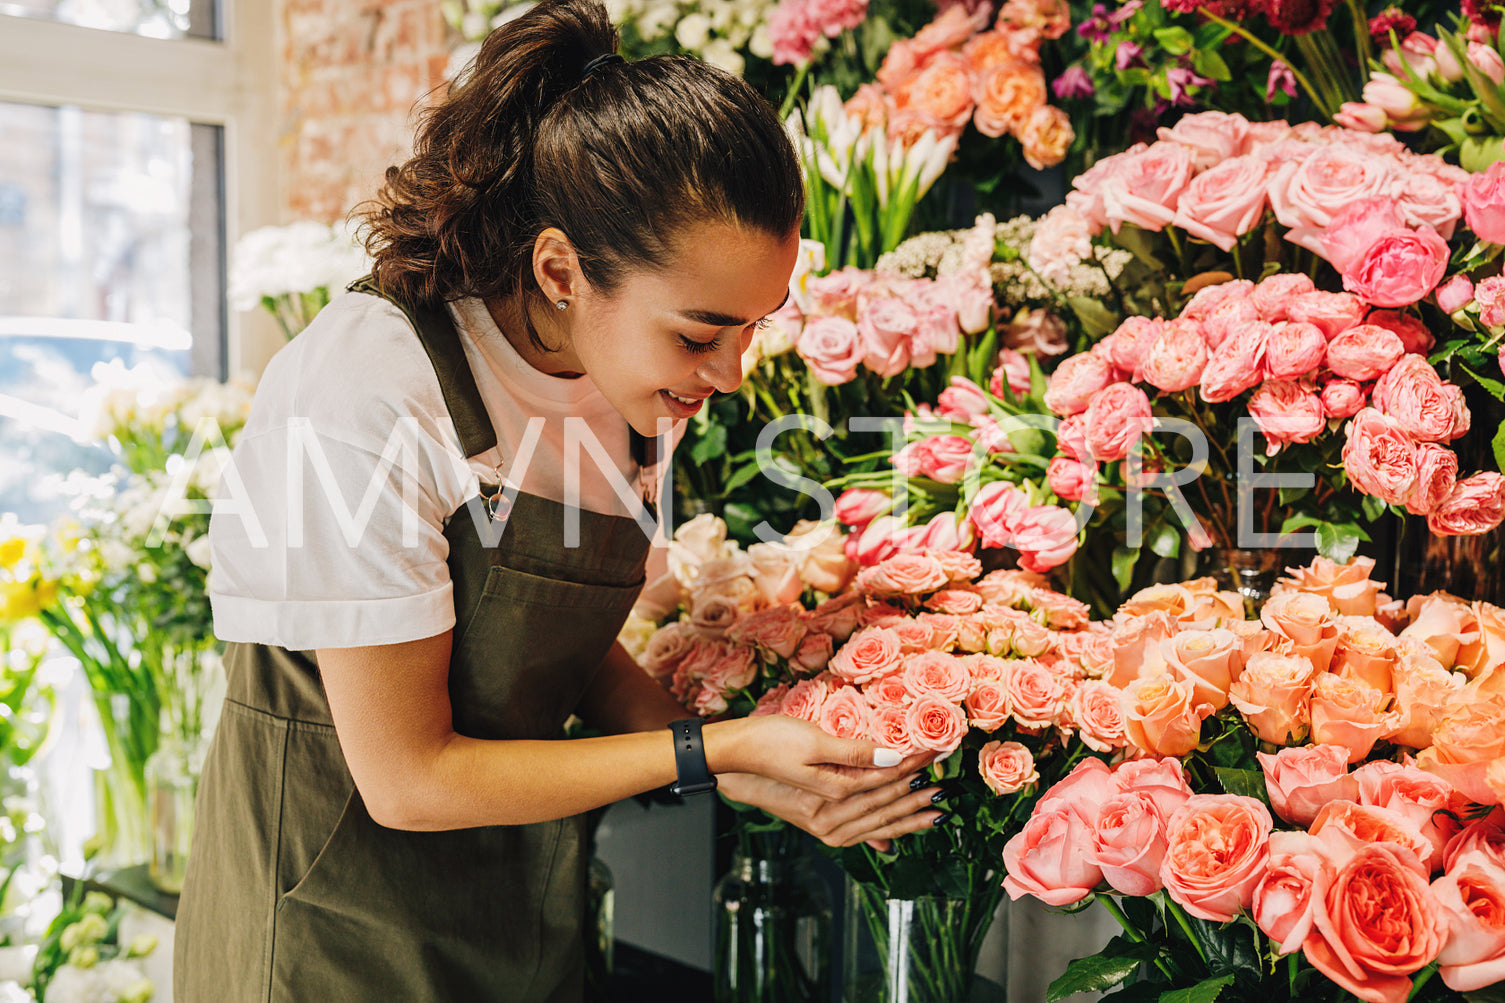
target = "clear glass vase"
x: 915, y: 950
x: 172, y: 782
x: 1250, y: 573
x: 773, y: 932
x: 600, y: 930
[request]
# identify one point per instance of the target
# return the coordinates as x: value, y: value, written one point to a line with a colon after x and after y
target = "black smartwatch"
x: 689, y: 759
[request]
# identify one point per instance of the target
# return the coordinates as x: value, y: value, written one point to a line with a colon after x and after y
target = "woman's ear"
x: 556, y: 269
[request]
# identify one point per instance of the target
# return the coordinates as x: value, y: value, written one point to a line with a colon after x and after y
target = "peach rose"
x: 1161, y: 716
x: 1136, y: 647
x: 1006, y: 767
x: 1046, y: 136
x: 1097, y: 711
x: 1475, y: 505
x: 805, y: 699
x: 1423, y: 690
x: 1380, y: 890
x: 1333, y: 313
x: 1036, y: 694
x: 1471, y: 895
x: 1050, y: 857
x: 1350, y: 713
x: 1007, y: 94
x: 935, y: 672
x: 987, y: 706
x: 1466, y: 740
x: 1294, y: 885
x: 1208, y: 659
x: 1379, y: 457
x: 936, y: 724
x: 902, y: 574
x: 1480, y: 656
x: 1273, y: 693
x: 1175, y: 359
x: 1306, y: 620
x: 1366, y: 652
x: 846, y: 714
x: 1349, y: 588
x: 775, y: 571
x: 1364, y: 352
x: 890, y: 728
x: 942, y: 92
x: 869, y: 653
x: 1301, y: 780
x: 1217, y: 846
x: 1225, y: 201
x: 1442, y: 621
x: 1416, y: 795
x: 1129, y: 843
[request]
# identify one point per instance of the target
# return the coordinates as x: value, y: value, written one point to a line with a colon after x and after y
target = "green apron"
x: 293, y: 893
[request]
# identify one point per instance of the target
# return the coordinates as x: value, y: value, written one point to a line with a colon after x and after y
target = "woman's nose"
x: 723, y: 369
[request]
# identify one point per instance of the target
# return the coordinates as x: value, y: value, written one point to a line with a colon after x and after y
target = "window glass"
x: 106, y: 222
x: 153, y: 18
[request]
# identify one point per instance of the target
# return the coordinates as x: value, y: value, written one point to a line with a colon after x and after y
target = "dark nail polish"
x: 939, y: 796
x: 943, y: 816
x: 919, y: 781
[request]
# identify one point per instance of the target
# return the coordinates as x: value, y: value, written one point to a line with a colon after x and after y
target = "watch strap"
x: 689, y: 759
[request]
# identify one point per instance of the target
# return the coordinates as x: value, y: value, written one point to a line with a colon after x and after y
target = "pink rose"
x: 805, y: 699
x: 887, y: 325
x: 937, y: 673
x: 1209, y: 298
x: 902, y: 574
x: 1216, y: 854
x: 1045, y: 536
x: 956, y: 602
x: 962, y: 401
x: 1035, y: 332
x: 1483, y: 198
x: 871, y: 652
x: 1294, y: 350
x: 1273, y: 293
x: 1286, y: 412
x: 1075, y: 382
x: 1294, y: 886
x: 1161, y: 715
x: 1083, y: 790
x: 1455, y: 294
x: 1036, y: 694
x: 846, y: 714
x: 1302, y: 779
x: 969, y: 300
x: 944, y: 458
x: 814, y: 653
x: 1143, y: 187
x: 1334, y: 313
x: 1176, y: 358
x: 1431, y: 199
x: 1226, y: 318
x: 1471, y: 897
x: 1118, y: 415
x: 996, y: 508
x: 1379, y: 457
x: 1357, y: 227
x: 1475, y: 505
x: 1415, y: 794
x: 1050, y: 857
x: 1490, y: 295
x: 1342, y: 398
x: 1425, y: 408
x: 835, y: 294
x: 879, y: 540
x: 832, y: 348
x: 1162, y: 780
x: 1413, y: 334
x: 1350, y: 713
x: 1097, y: 711
x: 1130, y: 343
x: 1212, y: 137
x: 1224, y: 202
x: 859, y: 506
x: 1006, y: 767
x: 1379, y: 890
x: 778, y: 629
x: 987, y: 706
x: 1070, y: 479
x: 1307, y: 193
x: 1236, y: 364
x: 1129, y: 843
x: 1364, y: 352
x: 1399, y: 268
x: 936, y: 724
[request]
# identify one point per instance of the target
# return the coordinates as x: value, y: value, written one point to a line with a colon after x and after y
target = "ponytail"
x: 619, y: 159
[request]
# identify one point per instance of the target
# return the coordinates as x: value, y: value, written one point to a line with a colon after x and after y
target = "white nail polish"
x: 887, y: 757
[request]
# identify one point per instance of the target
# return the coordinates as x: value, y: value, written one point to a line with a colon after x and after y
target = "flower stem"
x: 1180, y: 915
x: 794, y: 89
x: 1133, y: 932
x: 1262, y: 46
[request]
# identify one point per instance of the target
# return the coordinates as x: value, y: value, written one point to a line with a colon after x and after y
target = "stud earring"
x: 563, y: 304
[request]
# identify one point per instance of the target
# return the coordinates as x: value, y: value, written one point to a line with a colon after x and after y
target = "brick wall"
x: 350, y: 74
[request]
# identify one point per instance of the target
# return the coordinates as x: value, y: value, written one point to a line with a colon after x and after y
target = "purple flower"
x: 1180, y: 78
x: 1074, y: 82
x: 1097, y: 27
x: 1127, y: 55
x: 1281, y: 79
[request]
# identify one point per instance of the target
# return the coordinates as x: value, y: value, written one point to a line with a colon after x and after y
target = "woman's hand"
x: 873, y: 816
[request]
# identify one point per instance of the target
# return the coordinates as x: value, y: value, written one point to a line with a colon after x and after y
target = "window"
x: 133, y: 149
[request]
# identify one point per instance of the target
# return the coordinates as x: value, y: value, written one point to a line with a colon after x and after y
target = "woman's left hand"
x: 874, y: 816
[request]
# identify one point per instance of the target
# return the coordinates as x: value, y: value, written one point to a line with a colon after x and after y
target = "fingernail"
x: 939, y: 796
x: 887, y: 757
x: 940, y: 818
x: 920, y: 780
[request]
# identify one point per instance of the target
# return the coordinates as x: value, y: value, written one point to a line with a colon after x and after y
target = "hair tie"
x: 604, y: 59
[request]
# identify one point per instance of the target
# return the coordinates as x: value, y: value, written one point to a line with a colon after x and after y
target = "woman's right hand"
x: 826, y: 785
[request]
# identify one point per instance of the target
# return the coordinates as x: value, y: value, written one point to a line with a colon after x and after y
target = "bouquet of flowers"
x: 292, y: 270
x: 1375, y: 874
x: 83, y: 958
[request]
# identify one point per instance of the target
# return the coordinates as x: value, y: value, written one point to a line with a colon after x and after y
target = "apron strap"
x: 441, y: 341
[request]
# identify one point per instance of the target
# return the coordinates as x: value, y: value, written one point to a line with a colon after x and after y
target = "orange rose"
x: 1480, y: 658
x: 1422, y: 690
x: 950, y: 28
x: 1252, y: 634
x: 1046, y: 136
x: 1346, y: 827
x: 942, y: 93
x: 1466, y: 740
x: 1347, y: 587
x: 1307, y: 621
x: 1007, y: 95
x: 1161, y: 716
x: 822, y: 559
x: 1443, y: 621
x: 992, y: 48
x: 1273, y: 693
x: 1349, y: 713
x: 1208, y: 659
x: 1177, y: 600
x: 1365, y: 651
x: 1136, y: 647
x: 1097, y: 712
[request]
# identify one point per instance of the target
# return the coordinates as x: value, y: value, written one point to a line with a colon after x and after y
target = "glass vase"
x: 1250, y: 573
x: 600, y: 930
x: 915, y: 950
x: 773, y: 932
x: 172, y: 782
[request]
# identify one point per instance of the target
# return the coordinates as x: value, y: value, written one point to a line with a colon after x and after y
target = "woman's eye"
x: 762, y: 324
x: 699, y: 347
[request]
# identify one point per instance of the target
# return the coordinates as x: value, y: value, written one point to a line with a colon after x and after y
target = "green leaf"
x: 1495, y: 387
x: 1097, y: 320
x: 1208, y: 63
x: 1176, y: 41
x: 1337, y: 541
x: 1203, y: 992
x: 710, y: 442
x: 1489, y: 994
x: 1165, y: 541
x: 1124, y: 559
x: 1249, y: 783
x: 1104, y: 970
x: 1498, y: 445
x: 1373, y: 507
x: 741, y: 477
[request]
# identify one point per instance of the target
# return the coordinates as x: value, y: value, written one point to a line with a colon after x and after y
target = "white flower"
x: 198, y: 551
x: 655, y: 21
x: 298, y: 258
x: 720, y: 52
x: 16, y: 962
x: 693, y: 32
x: 761, y: 43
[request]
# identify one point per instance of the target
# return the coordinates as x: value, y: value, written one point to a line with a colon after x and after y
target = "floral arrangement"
x: 292, y: 270
x: 82, y: 959
x: 1242, y: 723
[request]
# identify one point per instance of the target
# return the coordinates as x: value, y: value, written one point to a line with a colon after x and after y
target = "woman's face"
x: 666, y: 339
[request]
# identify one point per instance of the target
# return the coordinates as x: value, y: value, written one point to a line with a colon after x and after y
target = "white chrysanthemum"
x: 693, y: 32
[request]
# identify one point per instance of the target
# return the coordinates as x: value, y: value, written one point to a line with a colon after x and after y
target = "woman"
x: 443, y: 488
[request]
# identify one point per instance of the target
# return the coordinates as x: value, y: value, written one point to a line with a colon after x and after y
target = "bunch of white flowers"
x: 716, y: 30
x: 293, y: 270
x: 475, y: 19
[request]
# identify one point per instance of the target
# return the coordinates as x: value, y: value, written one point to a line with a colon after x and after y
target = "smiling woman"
x: 386, y: 812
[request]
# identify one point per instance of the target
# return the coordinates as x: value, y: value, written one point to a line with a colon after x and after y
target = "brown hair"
x: 619, y: 160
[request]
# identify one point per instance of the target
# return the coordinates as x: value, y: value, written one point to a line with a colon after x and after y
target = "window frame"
x: 230, y: 82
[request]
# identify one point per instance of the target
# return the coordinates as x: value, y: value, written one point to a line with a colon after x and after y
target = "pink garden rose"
x: 1050, y: 858
x: 1413, y: 334
x: 1364, y: 352
x: 1117, y: 416
x: 1225, y: 201
x: 1076, y: 380
x: 1130, y: 343
x: 1455, y: 294
x: 1294, y: 886
x: 1426, y: 408
x: 1236, y: 365
x: 1475, y: 505
x: 1301, y: 779
x: 1356, y: 228
x: 1216, y: 854
x: 1436, y: 476
x: 1342, y: 398
x: 1286, y: 412
x: 1227, y: 317
x: 1274, y: 292
x: 1334, y: 313
x: 1399, y: 268
x: 832, y: 347
x: 1294, y: 350
x: 1006, y: 767
x: 1483, y: 198
x: 1209, y: 298
x: 1379, y: 457
x: 1176, y: 358
x: 1471, y: 896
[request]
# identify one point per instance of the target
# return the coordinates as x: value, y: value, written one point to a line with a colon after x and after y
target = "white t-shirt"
x: 328, y: 526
